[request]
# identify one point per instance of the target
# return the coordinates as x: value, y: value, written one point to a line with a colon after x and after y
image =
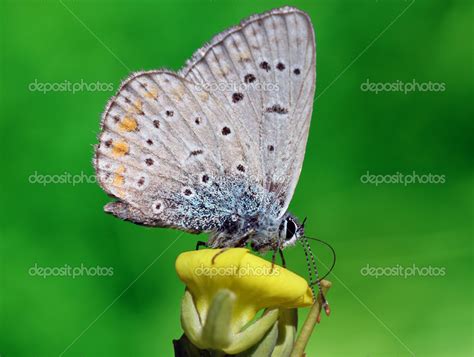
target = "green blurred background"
x: 136, y: 310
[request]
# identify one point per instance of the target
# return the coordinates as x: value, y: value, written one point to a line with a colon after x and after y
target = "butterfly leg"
x: 283, y: 262
x: 240, y: 243
x: 218, y: 253
x: 200, y: 244
x: 273, y: 259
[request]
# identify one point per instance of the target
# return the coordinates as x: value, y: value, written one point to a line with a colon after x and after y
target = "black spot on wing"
x: 225, y: 130
x: 280, y: 66
x: 237, y: 97
x: 276, y: 109
x: 196, y: 152
x: 249, y: 78
x: 265, y: 66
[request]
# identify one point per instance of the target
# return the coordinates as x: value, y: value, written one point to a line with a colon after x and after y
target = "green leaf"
x: 253, y: 333
x: 287, y: 325
x: 216, y: 333
x: 265, y: 347
x: 190, y: 321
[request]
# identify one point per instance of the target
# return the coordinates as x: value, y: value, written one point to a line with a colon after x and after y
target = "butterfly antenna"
x: 333, y: 255
x: 312, y: 267
x: 304, y: 221
x: 306, y: 248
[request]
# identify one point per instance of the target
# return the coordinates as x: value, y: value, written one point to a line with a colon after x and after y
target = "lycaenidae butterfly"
x: 217, y: 147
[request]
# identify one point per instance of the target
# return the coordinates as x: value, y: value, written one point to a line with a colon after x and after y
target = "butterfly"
x: 217, y: 147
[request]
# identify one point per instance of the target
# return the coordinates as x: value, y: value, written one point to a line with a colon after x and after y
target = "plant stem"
x: 308, y: 326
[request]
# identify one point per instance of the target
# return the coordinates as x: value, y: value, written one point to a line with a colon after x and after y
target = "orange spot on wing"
x: 224, y: 71
x: 120, y: 170
x: 153, y: 94
x: 118, y: 180
x: 128, y: 124
x: 204, y: 96
x: 138, y: 106
x: 118, y: 177
x: 178, y: 92
x: 120, y: 148
x: 243, y: 57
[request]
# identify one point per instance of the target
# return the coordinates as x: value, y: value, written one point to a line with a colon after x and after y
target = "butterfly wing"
x: 265, y: 70
x: 171, y: 143
x: 163, y: 141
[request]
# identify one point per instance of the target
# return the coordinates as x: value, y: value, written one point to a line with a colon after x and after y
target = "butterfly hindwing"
x: 161, y: 138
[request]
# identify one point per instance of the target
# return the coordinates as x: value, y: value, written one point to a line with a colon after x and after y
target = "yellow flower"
x: 239, y: 284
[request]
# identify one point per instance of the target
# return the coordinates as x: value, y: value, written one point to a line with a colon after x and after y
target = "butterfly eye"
x: 290, y: 229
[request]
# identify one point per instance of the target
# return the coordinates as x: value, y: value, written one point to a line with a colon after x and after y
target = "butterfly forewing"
x: 264, y: 70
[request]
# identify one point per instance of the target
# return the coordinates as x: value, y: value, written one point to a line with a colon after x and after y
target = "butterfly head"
x: 290, y: 230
